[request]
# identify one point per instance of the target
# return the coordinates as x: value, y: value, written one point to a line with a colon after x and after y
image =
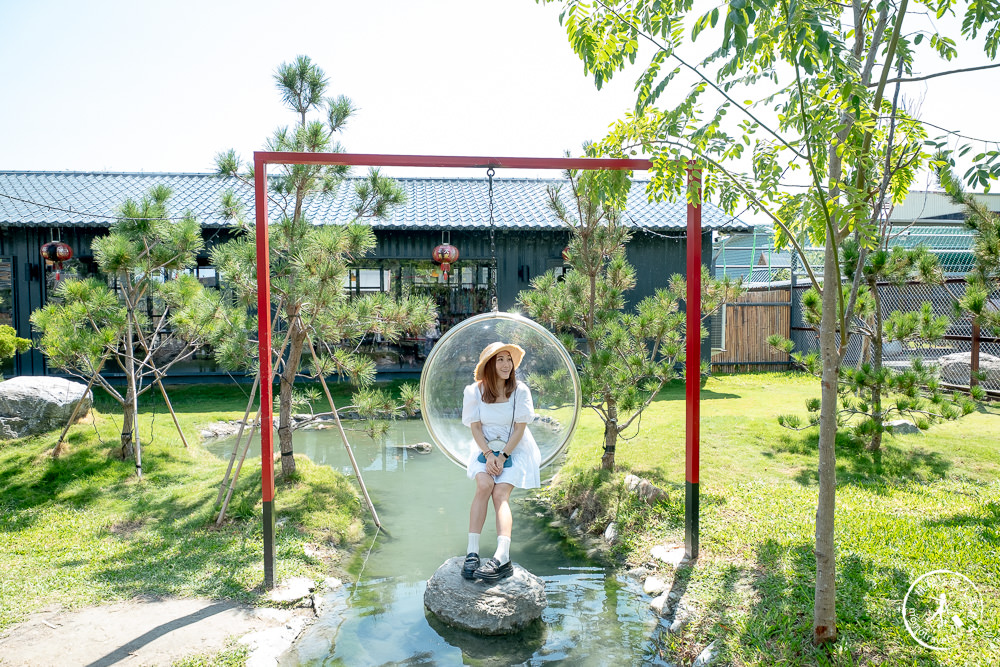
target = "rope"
x: 354, y: 590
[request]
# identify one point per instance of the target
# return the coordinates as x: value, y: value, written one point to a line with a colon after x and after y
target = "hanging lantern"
x: 565, y: 254
x: 447, y: 255
x: 55, y: 253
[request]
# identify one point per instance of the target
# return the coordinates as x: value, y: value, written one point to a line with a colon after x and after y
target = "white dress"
x: 496, y: 419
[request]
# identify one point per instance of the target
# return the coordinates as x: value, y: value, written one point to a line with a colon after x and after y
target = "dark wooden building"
x: 76, y: 207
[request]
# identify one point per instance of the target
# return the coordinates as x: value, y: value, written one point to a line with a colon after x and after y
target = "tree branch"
x: 913, y: 79
x: 700, y: 75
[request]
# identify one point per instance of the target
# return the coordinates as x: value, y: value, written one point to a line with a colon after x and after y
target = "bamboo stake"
x: 239, y: 436
x: 239, y: 466
x: 171, y: 409
x: 343, y: 435
x: 57, y: 450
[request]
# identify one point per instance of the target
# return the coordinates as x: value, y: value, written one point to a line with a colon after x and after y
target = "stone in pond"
x: 495, y: 608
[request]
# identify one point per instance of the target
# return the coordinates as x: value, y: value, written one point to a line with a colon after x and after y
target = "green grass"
x: 82, y: 529
x: 926, y: 502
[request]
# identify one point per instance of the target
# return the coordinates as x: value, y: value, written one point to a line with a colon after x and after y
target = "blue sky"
x: 109, y: 85
x: 121, y: 86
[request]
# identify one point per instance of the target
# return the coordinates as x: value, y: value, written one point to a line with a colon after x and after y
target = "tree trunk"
x: 128, y: 409
x: 296, y: 343
x: 610, y: 436
x: 875, y: 444
x: 825, y: 610
x: 128, y: 422
x: 974, y: 355
x: 130, y: 414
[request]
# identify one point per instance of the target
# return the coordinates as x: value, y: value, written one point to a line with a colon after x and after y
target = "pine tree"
x: 626, y: 357
x: 309, y: 261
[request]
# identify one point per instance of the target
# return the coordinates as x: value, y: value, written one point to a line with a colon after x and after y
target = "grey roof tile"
x: 91, y: 199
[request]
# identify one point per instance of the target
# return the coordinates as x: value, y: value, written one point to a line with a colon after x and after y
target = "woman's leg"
x: 501, y: 505
x: 481, y: 502
x: 477, y: 517
x: 505, y: 523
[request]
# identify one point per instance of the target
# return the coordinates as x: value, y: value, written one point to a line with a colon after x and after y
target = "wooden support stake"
x: 246, y: 413
x: 239, y: 466
x: 171, y: 409
x: 239, y: 437
x: 343, y: 435
x: 58, y: 449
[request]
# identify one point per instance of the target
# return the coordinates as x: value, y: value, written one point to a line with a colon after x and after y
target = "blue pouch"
x: 506, y: 464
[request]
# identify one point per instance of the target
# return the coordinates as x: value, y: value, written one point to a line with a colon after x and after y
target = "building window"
x: 365, y: 281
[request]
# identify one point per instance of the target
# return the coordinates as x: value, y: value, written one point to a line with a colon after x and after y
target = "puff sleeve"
x: 524, y: 407
x: 470, y: 405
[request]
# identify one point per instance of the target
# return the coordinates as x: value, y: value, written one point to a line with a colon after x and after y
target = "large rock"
x: 30, y: 405
x: 499, y: 608
x: 902, y: 427
x: 956, y: 368
x: 646, y: 490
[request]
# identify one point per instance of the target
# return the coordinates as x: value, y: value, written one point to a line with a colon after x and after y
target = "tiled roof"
x: 72, y: 199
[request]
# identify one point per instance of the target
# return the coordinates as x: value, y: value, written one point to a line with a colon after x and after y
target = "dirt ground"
x: 148, y: 632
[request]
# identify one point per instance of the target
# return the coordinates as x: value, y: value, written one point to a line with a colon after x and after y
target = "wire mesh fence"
x: 952, y: 355
x: 752, y: 257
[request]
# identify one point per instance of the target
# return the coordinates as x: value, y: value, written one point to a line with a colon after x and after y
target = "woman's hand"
x: 494, y: 464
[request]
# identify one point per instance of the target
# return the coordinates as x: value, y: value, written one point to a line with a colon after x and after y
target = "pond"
x: 595, y: 615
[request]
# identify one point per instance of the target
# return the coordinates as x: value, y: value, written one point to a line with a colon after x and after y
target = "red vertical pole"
x: 693, y: 360
x: 264, y: 347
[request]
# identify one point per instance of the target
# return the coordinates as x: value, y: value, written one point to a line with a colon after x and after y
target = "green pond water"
x: 595, y: 615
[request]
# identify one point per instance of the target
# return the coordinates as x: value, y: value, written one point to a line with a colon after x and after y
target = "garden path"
x: 144, y: 632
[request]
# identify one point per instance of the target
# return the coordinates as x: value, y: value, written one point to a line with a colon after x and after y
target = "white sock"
x: 503, y: 549
x: 473, y: 544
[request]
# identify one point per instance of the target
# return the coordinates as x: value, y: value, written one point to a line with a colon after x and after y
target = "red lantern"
x: 447, y: 255
x: 55, y: 253
x: 565, y: 254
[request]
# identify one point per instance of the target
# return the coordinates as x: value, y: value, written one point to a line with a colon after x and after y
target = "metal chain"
x: 493, y: 248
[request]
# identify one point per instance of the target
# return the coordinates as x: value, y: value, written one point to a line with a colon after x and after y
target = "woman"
x: 497, y: 408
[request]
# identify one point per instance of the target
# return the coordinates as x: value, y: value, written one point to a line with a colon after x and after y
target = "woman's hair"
x: 490, y: 377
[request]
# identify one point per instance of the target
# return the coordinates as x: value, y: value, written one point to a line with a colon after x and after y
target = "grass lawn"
x: 927, y: 502
x: 82, y: 529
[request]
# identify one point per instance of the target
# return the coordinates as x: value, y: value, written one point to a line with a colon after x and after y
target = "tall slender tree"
x: 785, y: 86
x: 309, y: 261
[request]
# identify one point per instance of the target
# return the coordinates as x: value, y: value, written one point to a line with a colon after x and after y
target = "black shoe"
x: 470, y: 566
x: 492, y: 570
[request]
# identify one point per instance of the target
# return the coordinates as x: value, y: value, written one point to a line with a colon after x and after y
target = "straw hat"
x: 493, y: 349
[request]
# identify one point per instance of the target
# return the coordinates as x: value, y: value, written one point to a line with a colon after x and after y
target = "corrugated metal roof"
x: 72, y: 199
x: 924, y: 207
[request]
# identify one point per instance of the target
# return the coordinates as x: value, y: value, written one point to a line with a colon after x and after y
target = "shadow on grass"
x: 778, y: 627
x: 857, y: 466
x: 987, y: 523
x: 60, y: 480
x: 675, y: 391
x: 179, y: 547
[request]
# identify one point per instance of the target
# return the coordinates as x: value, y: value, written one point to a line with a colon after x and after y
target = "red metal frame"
x: 693, y: 364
